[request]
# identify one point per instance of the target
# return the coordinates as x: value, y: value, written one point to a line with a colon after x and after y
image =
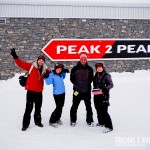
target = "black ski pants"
x: 56, y: 114
x: 101, y: 106
x: 31, y: 99
x: 86, y: 97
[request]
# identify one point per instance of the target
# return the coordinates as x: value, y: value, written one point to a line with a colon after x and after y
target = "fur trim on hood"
x: 44, y: 67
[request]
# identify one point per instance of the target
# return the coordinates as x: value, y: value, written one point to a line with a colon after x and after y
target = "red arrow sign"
x: 71, y: 49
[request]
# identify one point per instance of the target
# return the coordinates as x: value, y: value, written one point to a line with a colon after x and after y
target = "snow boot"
x: 90, y: 124
x: 72, y: 124
x: 59, y: 122
x: 98, y: 125
x: 24, y: 129
x: 106, y: 130
x: 39, y: 124
x: 55, y: 125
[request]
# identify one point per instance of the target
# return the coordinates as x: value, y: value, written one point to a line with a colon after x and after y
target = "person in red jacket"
x: 34, y: 86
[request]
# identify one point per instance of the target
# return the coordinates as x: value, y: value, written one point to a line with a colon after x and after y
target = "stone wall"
x: 30, y: 35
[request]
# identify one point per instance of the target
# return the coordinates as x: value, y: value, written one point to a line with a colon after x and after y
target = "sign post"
x: 95, y: 49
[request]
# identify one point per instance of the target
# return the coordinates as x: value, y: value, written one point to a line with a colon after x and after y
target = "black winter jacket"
x: 81, y: 76
x: 102, y: 80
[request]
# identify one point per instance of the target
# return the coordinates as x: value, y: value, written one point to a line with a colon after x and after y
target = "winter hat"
x: 83, y: 56
x: 59, y: 65
x: 99, y: 65
x: 41, y: 57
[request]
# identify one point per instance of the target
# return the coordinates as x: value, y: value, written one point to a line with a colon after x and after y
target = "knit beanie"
x: 99, y: 65
x: 41, y: 57
x: 83, y: 56
x: 59, y: 65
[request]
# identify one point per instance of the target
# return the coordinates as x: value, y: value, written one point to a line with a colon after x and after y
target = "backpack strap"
x: 30, y: 69
x: 27, y: 73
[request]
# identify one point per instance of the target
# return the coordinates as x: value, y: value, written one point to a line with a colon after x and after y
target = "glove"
x: 66, y: 70
x: 46, y: 75
x: 105, y: 90
x: 13, y: 53
x: 106, y: 103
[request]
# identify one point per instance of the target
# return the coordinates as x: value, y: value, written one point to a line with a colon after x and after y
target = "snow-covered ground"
x: 129, y: 110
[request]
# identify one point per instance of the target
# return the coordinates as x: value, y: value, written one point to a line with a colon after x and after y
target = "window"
x: 2, y: 20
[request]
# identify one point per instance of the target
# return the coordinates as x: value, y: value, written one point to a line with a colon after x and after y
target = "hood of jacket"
x: 44, y: 67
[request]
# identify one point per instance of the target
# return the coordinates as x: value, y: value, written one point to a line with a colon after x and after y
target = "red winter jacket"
x: 35, y: 81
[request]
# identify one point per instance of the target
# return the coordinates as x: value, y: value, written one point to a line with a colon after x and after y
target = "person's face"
x: 40, y: 62
x: 58, y: 70
x: 99, y: 69
x: 83, y: 60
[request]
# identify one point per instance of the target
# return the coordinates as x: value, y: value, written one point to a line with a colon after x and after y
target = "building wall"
x: 30, y: 35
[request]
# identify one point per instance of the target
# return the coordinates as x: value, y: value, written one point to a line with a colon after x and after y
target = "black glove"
x: 106, y: 103
x: 105, y: 90
x: 13, y: 53
x: 46, y: 75
x: 66, y: 70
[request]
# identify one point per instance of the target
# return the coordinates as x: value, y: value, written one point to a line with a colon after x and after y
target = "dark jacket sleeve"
x: 91, y: 75
x: 109, y: 82
x: 72, y: 75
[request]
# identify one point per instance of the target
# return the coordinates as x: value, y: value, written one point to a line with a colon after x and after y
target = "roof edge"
x: 76, y: 3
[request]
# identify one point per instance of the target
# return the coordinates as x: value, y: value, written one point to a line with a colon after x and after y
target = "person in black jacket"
x: 102, y: 83
x: 81, y: 76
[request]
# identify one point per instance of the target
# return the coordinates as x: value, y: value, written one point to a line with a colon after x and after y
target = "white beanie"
x: 83, y: 55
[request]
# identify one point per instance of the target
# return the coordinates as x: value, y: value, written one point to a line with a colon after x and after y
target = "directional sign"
x: 71, y: 49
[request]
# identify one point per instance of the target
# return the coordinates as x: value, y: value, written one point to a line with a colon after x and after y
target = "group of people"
x: 81, y: 76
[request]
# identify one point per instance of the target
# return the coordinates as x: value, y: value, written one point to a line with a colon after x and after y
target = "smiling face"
x: 83, y: 60
x: 99, y: 69
x: 58, y: 70
x: 40, y: 62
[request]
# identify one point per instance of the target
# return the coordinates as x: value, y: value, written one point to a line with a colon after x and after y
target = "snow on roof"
x: 104, y: 9
x: 134, y: 3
